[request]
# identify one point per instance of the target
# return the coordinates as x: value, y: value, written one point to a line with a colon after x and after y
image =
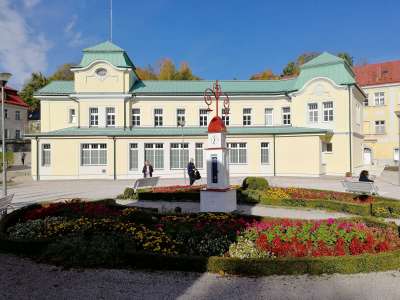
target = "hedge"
x: 171, y: 197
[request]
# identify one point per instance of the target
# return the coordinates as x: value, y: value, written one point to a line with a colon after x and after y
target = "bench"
x: 360, y: 187
x: 5, y: 202
x: 145, y: 182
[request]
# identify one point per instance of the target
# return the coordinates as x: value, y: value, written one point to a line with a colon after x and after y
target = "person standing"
x: 23, y: 158
x: 147, y: 169
x: 191, y: 168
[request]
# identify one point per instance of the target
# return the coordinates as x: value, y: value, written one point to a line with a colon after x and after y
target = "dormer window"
x: 101, y: 73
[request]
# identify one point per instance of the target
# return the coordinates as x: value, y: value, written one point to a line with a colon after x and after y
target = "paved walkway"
x: 22, y: 279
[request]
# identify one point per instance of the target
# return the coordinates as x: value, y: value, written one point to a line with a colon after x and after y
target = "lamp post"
x: 181, y: 123
x: 4, y: 77
x: 398, y: 151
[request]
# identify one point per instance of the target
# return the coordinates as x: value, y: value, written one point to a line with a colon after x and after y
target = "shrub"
x: 9, y: 159
x: 255, y: 183
x: 128, y: 194
x: 246, y: 248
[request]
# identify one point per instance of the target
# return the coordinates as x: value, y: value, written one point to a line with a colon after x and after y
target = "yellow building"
x: 381, y: 84
x: 107, y: 122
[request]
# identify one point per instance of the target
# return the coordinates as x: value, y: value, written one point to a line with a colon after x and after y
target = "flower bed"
x: 104, y: 234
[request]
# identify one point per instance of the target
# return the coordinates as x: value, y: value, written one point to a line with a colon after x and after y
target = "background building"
x: 106, y: 122
x: 381, y: 83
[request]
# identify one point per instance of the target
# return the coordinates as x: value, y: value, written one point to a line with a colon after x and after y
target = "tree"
x: 265, y: 75
x: 146, y: 73
x: 167, y: 70
x: 185, y: 73
x: 63, y: 72
x: 291, y: 69
x: 347, y: 57
x: 36, y: 82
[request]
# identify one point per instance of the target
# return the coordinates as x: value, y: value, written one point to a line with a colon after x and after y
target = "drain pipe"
x: 37, y: 158
x: 274, y: 156
x: 115, y: 160
x: 350, y: 130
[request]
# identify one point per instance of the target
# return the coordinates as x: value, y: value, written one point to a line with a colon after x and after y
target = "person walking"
x: 191, y: 169
x: 23, y: 158
x: 147, y: 169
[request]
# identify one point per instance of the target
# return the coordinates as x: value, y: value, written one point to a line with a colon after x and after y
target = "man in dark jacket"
x: 364, y: 176
x: 191, y: 171
x: 147, y: 169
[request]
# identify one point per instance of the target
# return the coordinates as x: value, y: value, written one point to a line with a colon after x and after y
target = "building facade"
x: 15, y: 121
x: 381, y: 84
x: 107, y: 122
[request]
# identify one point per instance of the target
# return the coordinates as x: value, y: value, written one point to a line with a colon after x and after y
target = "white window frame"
x: 264, y: 151
x: 135, y: 117
x: 72, y: 116
x: 110, y: 116
x: 225, y: 117
x: 180, y: 116
x: 18, y: 135
x: 269, y: 116
x: 179, y: 151
x: 328, y: 113
x: 247, y: 116
x: 286, y: 116
x: 313, y: 112
x: 366, y: 100
x: 95, y: 153
x: 46, y: 155
x: 379, y: 98
x: 133, y: 156
x: 327, y: 147
x: 154, y: 153
x: 158, y: 117
x: 17, y: 115
x: 199, y: 155
x: 396, y: 151
x: 93, y: 117
x: 203, y: 117
x: 237, y: 151
x: 380, y: 127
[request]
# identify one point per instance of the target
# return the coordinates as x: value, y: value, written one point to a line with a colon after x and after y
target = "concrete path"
x: 22, y: 279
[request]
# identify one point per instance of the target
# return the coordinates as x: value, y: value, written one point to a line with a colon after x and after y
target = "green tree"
x: 63, y: 72
x: 291, y: 69
x: 36, y: 82
x: 347, y: 57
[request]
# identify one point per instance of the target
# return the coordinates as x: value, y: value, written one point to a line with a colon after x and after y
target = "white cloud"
x: 22, y: 50
x: 74, y: 37
x: 31, y: 3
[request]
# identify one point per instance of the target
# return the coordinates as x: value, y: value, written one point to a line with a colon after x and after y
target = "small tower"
x: 218, y: 196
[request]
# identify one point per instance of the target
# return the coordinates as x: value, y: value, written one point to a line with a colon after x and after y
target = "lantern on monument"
x: 218, y: 196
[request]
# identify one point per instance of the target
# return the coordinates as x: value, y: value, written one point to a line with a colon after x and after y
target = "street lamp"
x: 398, y: 151
x: 181, y: 123
x: 4, y: 77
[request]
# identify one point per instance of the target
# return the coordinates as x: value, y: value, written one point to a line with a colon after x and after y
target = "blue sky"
x: 219, y: 39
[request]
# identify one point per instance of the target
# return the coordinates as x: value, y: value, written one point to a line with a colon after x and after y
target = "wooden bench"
x: 5, y: 202
x: 360, y: 187
x: 145, y: 182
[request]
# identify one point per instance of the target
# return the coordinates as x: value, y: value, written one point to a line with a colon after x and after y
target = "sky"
x: 220, y: 39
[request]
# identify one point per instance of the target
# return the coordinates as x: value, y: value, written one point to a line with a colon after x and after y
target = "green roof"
x: 177, y: 131
x: 106, y: 51
x: 57, y: 87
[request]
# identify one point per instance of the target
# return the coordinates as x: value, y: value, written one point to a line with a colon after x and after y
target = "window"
x: 46, y: 155
x: 94, y: 117
x: 379, y: 98
x: 237, y: 153
x: 180, y: 117
x: 286, y: 116
x: 396, y: 154
x: 380, y: 127
x: 366, y: 100
x: 154, y: 153
x: 110, y: 116
x: 327, y: 147
x: 225, y: 116
x: 93, y: 154
x: 72, y: 115
x: 328, y: 111
x: 17, y: 134
x: 264, y: 153
x: 268, y: 114
x: 203, y: 117
x: 179, y: 155
x: 358, y: 114
x: 133, y: 157
x: 17, y: 115
x: 313, y: 112
x: 5, y: 113
x: 158, y: 117
x: 135, y: 117
x: 246, y: 116
x: 6, y: 135
x: 198, y: 158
